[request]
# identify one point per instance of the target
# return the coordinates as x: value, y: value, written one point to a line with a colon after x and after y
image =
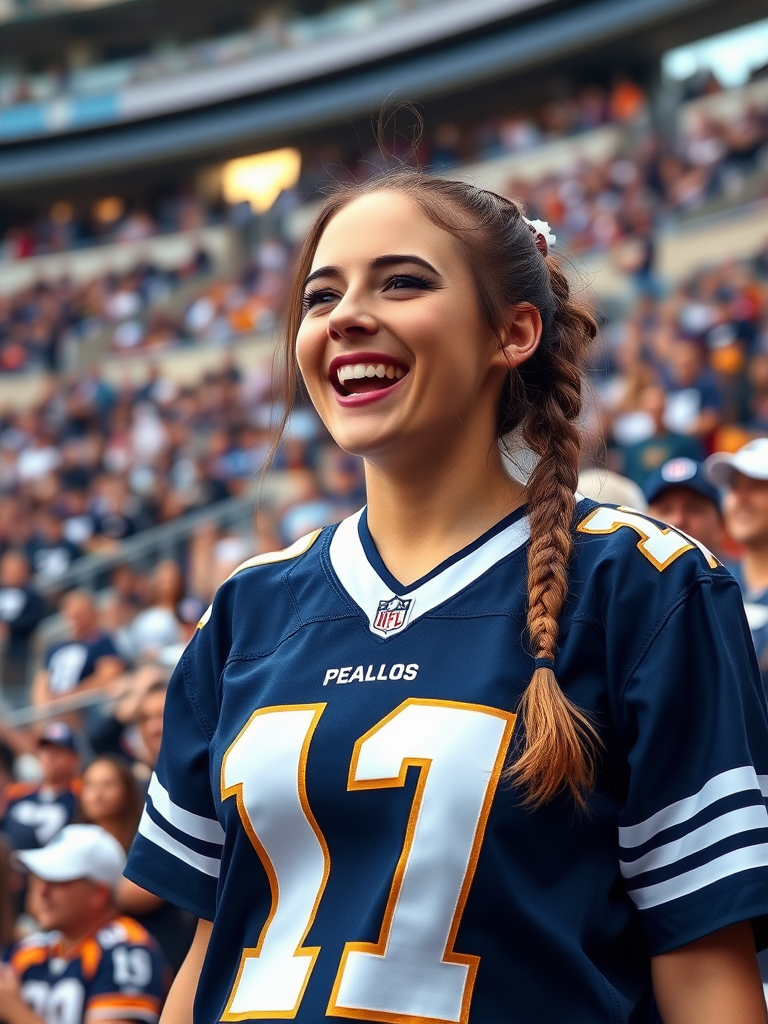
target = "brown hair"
x: 125, y: 828
x: 541, y: 402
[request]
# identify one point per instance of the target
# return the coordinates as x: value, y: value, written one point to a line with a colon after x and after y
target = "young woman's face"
x: 102, y: 795
x: 393, y: 349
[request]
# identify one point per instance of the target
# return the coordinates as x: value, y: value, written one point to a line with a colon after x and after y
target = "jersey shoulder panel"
x: 16, y: 791
x: 30, y: 951
x: 295, y: 550
x: 124, y: 930
x: 634, y: 540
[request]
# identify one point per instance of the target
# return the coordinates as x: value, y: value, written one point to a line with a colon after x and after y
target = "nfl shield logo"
x: 392, y: 615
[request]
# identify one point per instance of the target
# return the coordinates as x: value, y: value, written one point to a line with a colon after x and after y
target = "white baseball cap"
x: 78, y: 851
x: 751, y: 460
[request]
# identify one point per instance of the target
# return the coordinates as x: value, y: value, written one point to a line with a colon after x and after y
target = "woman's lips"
x: 365, y: 375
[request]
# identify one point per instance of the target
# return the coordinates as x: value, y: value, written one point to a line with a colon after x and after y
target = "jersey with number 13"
x: 331, y: 787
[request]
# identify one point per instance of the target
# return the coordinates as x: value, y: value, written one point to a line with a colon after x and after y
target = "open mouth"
x: 364, y: 377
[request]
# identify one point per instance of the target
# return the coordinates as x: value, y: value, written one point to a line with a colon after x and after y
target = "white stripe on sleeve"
x: 207, y: 829
x: 152, y: 831
x: 745, y: 819
x: 698, y: 878
x: 736, y: 780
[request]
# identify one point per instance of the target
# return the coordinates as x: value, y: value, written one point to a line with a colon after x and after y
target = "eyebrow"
x: 389, y: 260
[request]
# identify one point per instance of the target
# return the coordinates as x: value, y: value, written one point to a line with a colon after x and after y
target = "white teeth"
x: 357, y: 371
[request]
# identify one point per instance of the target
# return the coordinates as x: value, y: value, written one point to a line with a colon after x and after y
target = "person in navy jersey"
x: 485, y: 751
x: 34, y: 812
x: 22, y: 609
x: 744, y: 476
x: 87, y: 660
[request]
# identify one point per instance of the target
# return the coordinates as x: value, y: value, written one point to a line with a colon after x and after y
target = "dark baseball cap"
x: 59, y: 734
x: 681, y: 472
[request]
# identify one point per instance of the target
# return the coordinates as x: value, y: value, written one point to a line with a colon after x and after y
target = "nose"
x: 349, y: 321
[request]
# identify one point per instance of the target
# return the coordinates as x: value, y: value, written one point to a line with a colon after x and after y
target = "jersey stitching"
x: 194, y: 702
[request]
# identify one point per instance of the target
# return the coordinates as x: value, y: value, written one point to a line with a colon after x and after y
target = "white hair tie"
x: 542, y: 234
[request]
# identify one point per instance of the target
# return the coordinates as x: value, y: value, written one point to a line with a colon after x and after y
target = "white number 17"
x: 412, y: 972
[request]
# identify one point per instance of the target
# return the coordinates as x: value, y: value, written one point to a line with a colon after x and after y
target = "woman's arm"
x: 133, y: 900
x: 714, y: 980
x: 181, y: 998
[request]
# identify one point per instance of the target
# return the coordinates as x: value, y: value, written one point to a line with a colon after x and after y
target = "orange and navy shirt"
x: 114, y: 974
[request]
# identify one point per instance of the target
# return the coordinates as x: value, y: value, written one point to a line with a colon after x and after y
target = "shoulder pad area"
x: 298, y: 547
x: 659, y: 543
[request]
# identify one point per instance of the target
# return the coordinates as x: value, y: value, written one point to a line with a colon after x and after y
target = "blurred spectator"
x: 108, y: 966
x: 157, y: 626
x: 86, y: 661
x: 149, y: 719
x: 679, y: 494
x: 642, y: 457
x: 21, y: 610
x: 611, y: 489
x: 35, y: 812
x: 745, y: 477
x: 49, y: 551
x: 109, y: 797
x: 693, y: 401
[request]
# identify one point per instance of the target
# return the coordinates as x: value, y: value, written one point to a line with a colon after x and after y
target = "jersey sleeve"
x: 128, y: 984
x: 177, y: 851
x: 693, y: 832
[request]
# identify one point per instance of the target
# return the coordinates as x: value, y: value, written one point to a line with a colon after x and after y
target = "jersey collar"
x: 389, y: 605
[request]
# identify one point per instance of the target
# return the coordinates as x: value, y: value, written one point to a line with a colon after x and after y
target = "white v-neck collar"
x: 389, y: 613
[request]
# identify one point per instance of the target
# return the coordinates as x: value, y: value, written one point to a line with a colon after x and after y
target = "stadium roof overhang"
x: 647, y: 26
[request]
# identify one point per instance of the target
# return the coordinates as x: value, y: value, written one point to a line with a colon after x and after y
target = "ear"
x: 521, y: 337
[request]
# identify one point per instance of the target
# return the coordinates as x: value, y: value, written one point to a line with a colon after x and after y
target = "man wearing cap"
x: 34, y: 812
x: 679, y: 493
x: 745, y: 477
x: 89, y: 963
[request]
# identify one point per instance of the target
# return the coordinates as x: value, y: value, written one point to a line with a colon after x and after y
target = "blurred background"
x: 159, y: 162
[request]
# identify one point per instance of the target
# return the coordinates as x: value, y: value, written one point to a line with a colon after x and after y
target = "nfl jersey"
x: 34, y: 814
x: 114, y: 974
x: 331, y: 787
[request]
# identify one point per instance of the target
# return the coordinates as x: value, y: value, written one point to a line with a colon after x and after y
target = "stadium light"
x: 260, y: 179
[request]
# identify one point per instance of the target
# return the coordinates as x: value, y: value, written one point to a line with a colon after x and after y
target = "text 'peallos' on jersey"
x: 331, y: 789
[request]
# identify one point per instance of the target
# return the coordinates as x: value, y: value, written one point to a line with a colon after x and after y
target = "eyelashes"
x: 396, y: 282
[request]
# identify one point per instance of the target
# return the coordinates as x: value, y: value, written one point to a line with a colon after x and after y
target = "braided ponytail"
x: 541, y: 401
x: 561, y: 742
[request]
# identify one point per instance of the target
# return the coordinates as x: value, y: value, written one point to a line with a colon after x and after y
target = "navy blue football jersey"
x: 331, y: 787
x: 70, y: 661
x: 33, y: 813
x: 114, y: 975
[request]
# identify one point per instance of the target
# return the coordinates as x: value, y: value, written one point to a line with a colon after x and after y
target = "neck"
x: 77, y: 934
x: 754, y: 566
x: 418, y: 519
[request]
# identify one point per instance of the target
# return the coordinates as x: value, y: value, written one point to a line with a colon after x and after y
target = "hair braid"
x: 561, y: 743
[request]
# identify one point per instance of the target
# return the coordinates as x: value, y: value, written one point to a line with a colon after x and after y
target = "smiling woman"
x: 480, y: 731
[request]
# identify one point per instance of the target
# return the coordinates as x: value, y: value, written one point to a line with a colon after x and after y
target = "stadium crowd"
x: 611, y: 205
